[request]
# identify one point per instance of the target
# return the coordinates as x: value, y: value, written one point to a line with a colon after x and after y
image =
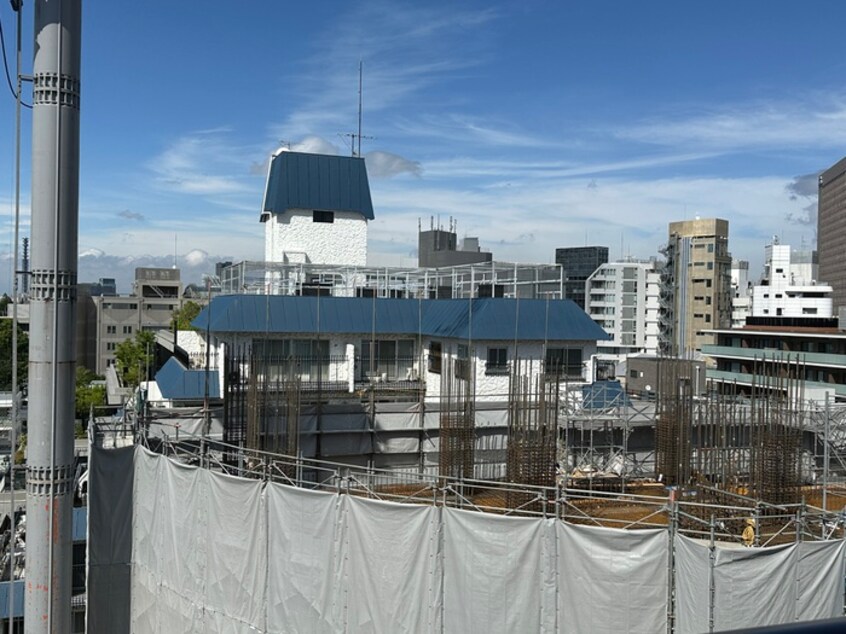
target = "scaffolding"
x: 490, y: 279
x: 457, y: 434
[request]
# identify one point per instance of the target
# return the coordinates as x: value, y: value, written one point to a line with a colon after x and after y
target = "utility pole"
x: 52, y: 354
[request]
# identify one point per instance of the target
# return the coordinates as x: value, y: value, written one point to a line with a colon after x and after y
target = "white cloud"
x: 386, y: 165
x: 817, y: 121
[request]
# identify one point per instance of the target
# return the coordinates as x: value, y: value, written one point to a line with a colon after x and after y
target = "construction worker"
x: 748, y: 534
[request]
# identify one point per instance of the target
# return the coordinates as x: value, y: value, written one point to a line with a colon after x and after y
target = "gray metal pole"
x: 826, y: 456
x: 16, y: 299
x: 55, y: 199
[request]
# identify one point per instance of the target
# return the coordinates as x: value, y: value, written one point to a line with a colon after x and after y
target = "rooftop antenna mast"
x: 356, y: 151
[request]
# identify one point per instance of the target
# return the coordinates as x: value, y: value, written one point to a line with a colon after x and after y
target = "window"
x: 110, y: 346
x: 497, y: 361
x: 435, y: 357
x: 110, y: 330
x: 323, y: 216
x: 392, y: 360
x: 305, y: 359
x: 809, y: 311
x: 127, y: 330
x: 711, y: 248
x: 633, y: 374
x: 566, y: 362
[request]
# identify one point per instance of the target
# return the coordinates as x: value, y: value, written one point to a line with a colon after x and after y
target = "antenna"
x: 352, y: 135
x: 359, y: 107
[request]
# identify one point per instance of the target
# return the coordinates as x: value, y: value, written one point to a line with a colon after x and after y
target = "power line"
x: 6, y: 67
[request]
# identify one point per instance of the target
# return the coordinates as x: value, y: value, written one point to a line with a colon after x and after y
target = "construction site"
x: 762, y: 451
x: 692, y: 499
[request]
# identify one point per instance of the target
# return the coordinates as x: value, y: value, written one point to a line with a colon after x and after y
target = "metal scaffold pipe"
x: 55, y: 201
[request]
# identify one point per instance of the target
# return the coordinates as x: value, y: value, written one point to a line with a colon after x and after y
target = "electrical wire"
x: 6, y: 67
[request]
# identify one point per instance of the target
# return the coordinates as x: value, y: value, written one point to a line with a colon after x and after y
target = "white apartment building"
x: 622, y: 297
x: 788, y: 287
x: 741, y: 293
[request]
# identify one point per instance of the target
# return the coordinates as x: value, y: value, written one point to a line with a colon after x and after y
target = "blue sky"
x: 536, y: 124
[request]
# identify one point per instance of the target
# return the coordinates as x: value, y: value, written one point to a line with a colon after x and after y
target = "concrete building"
x: 438, y: 248
x: 345, y: 361
x: 831, y: 230
x: 622, y: 297
x: 741, y: 293
x: 579, y: 263
x: 316, y: 209
x: 789, y: 289
x: 156, y: 294
x: 696, y: 285
x: 762, y: 354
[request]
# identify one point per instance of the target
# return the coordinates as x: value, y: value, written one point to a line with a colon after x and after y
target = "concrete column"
x: 52, y: 354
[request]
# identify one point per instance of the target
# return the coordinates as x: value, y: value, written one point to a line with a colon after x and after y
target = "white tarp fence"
x: 753, y: 587
x: 214, y: 553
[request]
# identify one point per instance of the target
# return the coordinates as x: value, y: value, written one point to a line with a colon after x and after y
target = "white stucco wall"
x: 494, y: 387
x: 295, y: 237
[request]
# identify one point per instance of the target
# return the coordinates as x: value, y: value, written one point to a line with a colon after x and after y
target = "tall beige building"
x: 831, y: 231
x: 696, y: 285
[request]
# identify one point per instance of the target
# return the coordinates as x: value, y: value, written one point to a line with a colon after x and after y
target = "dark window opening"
x: 435, y: 356
x: 323, y: 216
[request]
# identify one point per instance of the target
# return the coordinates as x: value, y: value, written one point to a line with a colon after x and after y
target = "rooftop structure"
x: 438, y: 248
x: 316, y: 208
x: 789, y: 288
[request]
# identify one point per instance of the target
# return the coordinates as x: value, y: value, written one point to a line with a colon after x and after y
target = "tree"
x: 134, y: 357
x: 6, y: 354
x: 88, y: 395
x: 183, y: 317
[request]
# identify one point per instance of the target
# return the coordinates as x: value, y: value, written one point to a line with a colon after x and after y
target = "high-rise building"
x: 622, y: 297
x: 579, y: 263
x: 831, y: 230
x: 439, y: 247
x: 789, y: 288
x: 696, y: 293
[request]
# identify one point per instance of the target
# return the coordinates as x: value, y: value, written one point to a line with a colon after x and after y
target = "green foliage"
x: 87, y: 395
x: 183, y: 317
x: 20, y: 454
x: 134, y: 358
x: 5, y: 300
x: 6, y: 354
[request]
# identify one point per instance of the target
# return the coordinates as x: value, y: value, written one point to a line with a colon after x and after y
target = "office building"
x: 577, y: 264
x: 831, y: 230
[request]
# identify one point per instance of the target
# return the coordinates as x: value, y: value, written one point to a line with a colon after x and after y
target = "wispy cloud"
x: 817, y: 121
x: 126, y: 214
x: 387, y: 165
x: 404, y: 49
x: 205, y: 162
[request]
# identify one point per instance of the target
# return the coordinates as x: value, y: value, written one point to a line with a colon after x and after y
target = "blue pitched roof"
x: 488, y: 319
x: 20, y: 591
x: 178, y: 383
x: 317, y: 181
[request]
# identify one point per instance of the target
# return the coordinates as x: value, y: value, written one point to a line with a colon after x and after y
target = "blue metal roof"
x: 317, y: 181
x: 20, y: 591
x: 178, y: 383
x: 487, y: 319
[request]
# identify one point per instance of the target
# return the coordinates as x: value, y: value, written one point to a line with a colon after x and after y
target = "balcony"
x: 776, y: 356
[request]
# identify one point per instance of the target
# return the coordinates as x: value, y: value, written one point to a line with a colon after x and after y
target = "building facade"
x: 156, y: 294
x: 741, y: 293
x: 577, y: 264
x: 789, y: 289
x: 622, y: 297
x: 696, y: 285
x: 831, y: 230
